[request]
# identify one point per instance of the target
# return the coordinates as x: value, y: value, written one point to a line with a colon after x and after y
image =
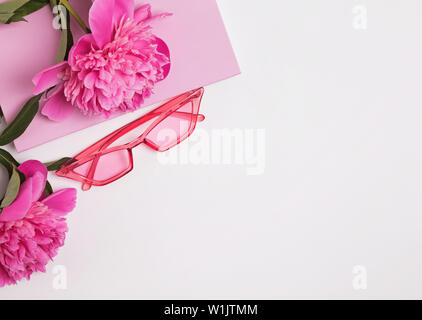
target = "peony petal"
x: 143, y: 13
x: 62, y: 201
x: 38, y: 172
x: 90, y: 79
x: 101, y: 21
x: 48, y: 77
x: 18, y: 209
x: 164, y: 49
x: 83, y: 46
x: 105, y: 14
x: 57, y: 107
x: 5, y: 278
x: 123, y: 8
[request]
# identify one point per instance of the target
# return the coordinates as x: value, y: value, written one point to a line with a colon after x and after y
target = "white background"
x: 341, y: 108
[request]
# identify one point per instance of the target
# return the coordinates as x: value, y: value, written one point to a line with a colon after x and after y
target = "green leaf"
x: 55, y: 165
x: 12, y: 189
x: 9, y: 157
x: 12, y: 5
x: 16, y: 18
x: 4, y: 17
x: 8, y: 161
x: 28, y: 8
x: 18, y: 126
x: 48, y: 189
x: 6, y: 164
x: 66, y: 40
x: 16, y: 177
x: 16, y: 10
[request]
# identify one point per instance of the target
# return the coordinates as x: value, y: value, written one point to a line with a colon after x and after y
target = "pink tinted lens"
x: 173, y: 129
x: 108, y: 166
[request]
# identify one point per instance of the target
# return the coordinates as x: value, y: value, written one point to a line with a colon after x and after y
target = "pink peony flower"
x: 113, y: 69
x: 31, y: 228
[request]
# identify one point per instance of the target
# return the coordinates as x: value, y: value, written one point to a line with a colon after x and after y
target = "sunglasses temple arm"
x: 106, y: 141
x: 187, y: 116
x: 100, y: 145
x: 184, y: 115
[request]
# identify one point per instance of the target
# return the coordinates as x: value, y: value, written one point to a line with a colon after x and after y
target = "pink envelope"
x: 200, y: 49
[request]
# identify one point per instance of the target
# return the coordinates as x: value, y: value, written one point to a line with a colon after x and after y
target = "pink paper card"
x: 200, y: 49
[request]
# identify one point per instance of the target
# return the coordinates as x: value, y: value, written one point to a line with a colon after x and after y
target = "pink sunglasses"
x: 110, y: 159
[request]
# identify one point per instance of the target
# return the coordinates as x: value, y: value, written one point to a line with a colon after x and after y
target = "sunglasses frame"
x: 100, y: 148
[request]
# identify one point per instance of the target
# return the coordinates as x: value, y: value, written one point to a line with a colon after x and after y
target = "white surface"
x: 342, y: 112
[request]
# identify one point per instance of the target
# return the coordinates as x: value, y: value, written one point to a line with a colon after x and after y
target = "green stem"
x: 75, y: 15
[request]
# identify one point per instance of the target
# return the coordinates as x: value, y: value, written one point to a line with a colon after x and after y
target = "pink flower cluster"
x: 113, y: 69
x: 32, y: 228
